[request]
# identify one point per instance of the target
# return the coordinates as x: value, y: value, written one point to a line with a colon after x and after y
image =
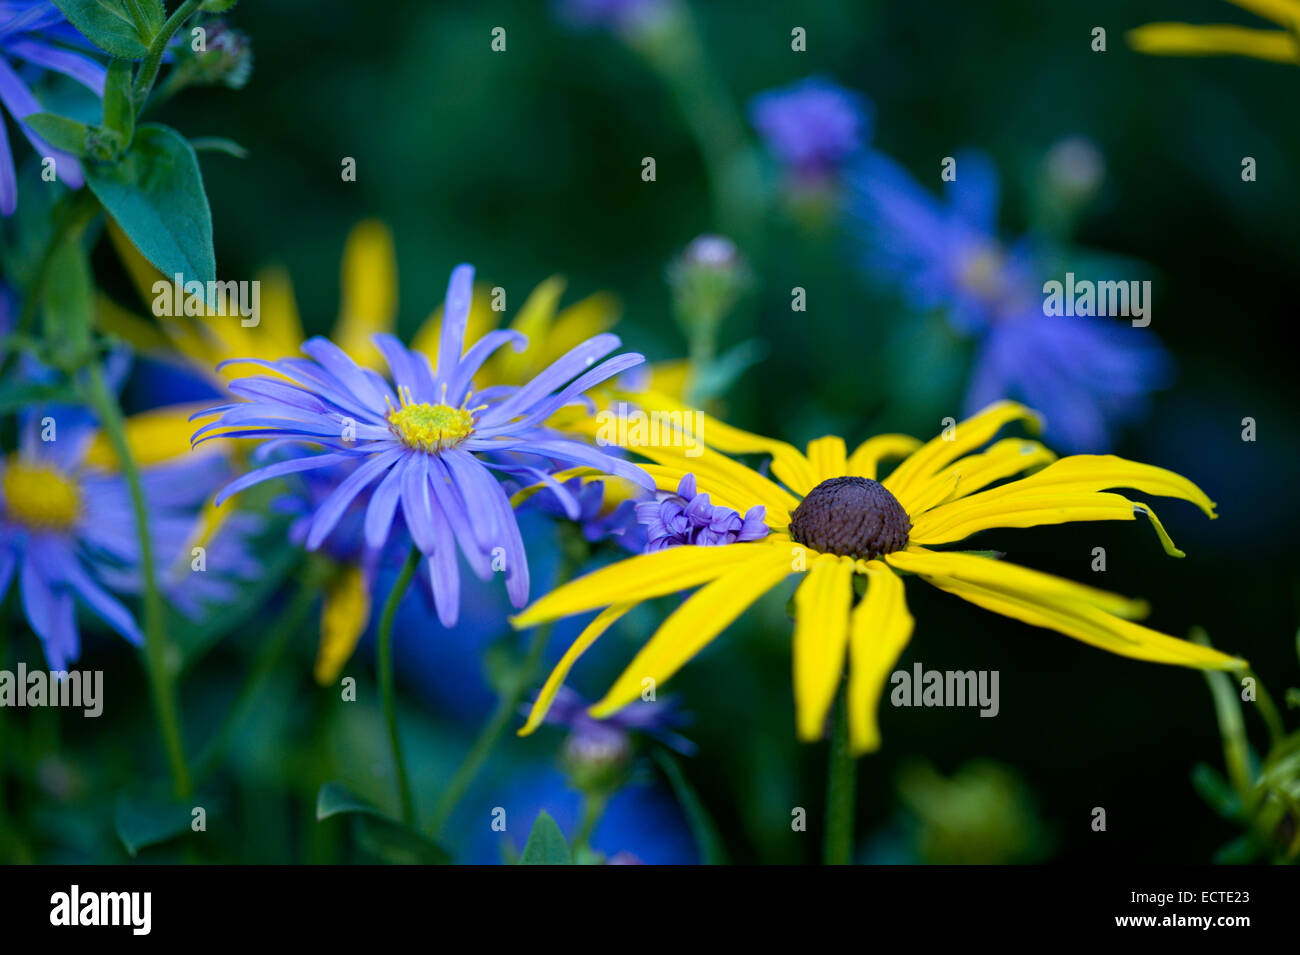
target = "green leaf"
x: 107, y: 24
x: 707, y: 841
x: 546, y: 844
x: 68, y: 303
x: 154, y: 17
x: 377, y: 833
x: 155, y: 193
x: 15, y: 395
x: 218, y: 6
x: 143, y: 818
x: 218, y: 144
x: 119, y: 105
x: 60, y: 132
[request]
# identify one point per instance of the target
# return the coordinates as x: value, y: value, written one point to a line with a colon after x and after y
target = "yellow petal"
x: 711, y: 468
x: 1032, y: 509
x: 693, y: 625
x: 1002, y: 576
x: 879, y: 630
x: 670, y: 377
x: 534, y: 320
x: 821, y: 633
x: 639, y: 578
x: 865, y: 460
x: 1183, y: 39
x: 1099, y: 472
x: 546, y: 696
x: 582, y: 320
x: 827, y: 458
x: 280, y: 330
x: 344, y: 614
x: 1064, y: 491
x: 1282, y: 12
x: 367, y: 291
x: 160, y: 434
x: 1092, y: 626
x: 967, y: 475
x: 788, y: 464
x: 911, y: 476
x: 125, y: 324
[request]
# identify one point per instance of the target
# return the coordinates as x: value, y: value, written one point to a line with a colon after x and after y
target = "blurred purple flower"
x: 812, y: 126
x: 615, y: 15
x: 35, y: 36
x: 657, y: 720
x: 1086, y: 374
x: 68, y: 532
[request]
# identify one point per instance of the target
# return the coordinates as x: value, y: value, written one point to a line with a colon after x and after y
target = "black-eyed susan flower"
x: 1186, y: 39
x: 832, y: 518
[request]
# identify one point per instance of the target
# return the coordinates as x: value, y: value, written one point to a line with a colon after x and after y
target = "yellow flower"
x: 1185, y: 39
x: 831, y: 519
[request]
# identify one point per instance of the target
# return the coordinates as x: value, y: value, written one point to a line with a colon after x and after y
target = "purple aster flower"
x: 68, y: 532
x: 228, y: 564
x: 615, y: 15
x: 429, y: 445
x: 1085, y: 374
x: 658, y: 720
x: 689, y: 518
x: 812, y: 126
x: 35, y: 37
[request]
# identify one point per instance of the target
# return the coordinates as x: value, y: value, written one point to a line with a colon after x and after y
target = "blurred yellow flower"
x: 1185, y: 39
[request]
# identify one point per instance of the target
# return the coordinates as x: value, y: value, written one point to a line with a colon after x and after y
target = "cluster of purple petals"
x: 688, y: 517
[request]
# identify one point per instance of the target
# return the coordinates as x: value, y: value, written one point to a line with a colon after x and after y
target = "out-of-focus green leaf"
x: 218, y: 144
x: 707, y: 841
x: 546, y: 844
x: 16, y: 394
x: 155, y: 193
x: 143, y: 818
x: 68, y: 300
x: 377, y: 833
x: 108, y: 25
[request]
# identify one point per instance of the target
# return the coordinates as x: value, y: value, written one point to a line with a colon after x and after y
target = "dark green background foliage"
x: 528, y: 163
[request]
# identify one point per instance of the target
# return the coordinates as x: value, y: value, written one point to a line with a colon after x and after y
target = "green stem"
x: 155, y: 629
x: 268, y: 656
x: 593, y: 807
x: 384, y: 667
x: 677, y: 54
x: 506, y: 709
x: 152, y: 62
x: 841, y: 792
x: 1268, y: 711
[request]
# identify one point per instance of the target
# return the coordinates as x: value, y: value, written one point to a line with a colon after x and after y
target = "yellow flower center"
x: 981, y: 272
x: 429, y: 427
x: 40, y: 497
